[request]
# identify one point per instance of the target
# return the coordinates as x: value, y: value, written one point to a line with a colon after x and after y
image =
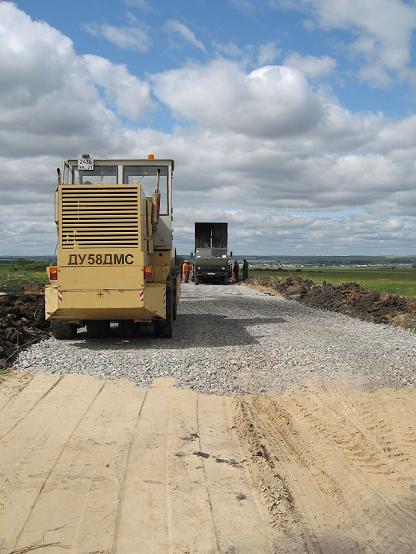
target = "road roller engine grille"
x: 100, y: 217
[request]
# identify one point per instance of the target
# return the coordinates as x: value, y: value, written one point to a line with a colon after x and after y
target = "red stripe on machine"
x: 60, y: 296
x: 141, y: 295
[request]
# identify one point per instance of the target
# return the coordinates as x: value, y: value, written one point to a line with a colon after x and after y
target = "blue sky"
x: 245, y: 24
x: 294, y: 120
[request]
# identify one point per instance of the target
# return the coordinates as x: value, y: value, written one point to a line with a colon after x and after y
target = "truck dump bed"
x: 211, y: 235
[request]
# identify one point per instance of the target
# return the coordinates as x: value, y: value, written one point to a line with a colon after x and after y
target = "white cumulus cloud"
x: 269, y: 101
x: 380, y: 30
x: 129, y: 37
x: 185, y: 33
x: 311, y: 66
x: 267, y: 53
x: 48, y: 103
x: 130, y: 95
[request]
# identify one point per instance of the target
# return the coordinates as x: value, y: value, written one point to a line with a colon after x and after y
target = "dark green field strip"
x: 15, y: 275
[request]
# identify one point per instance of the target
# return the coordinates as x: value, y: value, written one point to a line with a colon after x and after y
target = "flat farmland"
x: 20, y: 273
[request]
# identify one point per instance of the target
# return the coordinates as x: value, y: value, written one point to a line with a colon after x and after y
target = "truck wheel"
x: 127, y: 329
x: 98, y: 329
x: 225, y: 280
x: 197, y: 281
x: 62, y: 330
x: 164, y: 327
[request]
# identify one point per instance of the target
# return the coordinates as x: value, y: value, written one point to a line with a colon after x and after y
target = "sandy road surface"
x: 95, y: 466
x: 336, y: 466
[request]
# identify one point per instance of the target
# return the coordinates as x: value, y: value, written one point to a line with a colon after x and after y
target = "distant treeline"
x: 329, y: 260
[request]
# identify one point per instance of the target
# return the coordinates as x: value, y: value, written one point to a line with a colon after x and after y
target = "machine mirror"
x: 231, y: 254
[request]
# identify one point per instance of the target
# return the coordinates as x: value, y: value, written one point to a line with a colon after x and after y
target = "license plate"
x: 85, y: 164
x: 210, y: 273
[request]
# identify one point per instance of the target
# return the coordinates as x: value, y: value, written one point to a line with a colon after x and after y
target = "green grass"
x: 21, y: 273
x: 396, y: 281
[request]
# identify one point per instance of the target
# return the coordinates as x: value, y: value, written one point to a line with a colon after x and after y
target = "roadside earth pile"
x: 22, y: 322
x: 348, y: 298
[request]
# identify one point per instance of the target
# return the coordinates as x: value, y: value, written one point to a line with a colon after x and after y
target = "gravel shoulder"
x: 233, y: 340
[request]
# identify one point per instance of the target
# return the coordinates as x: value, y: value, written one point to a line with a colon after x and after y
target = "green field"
x: 22, y: 273
x: 396, y: 281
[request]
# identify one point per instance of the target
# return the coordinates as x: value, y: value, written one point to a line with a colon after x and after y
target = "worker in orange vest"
x: 186, y: 268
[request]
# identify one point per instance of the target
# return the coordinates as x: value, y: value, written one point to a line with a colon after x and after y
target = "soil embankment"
x: 348, y: 298
x: 22, y: 322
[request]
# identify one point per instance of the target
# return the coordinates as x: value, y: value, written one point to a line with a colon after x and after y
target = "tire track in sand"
x: 333, y: 481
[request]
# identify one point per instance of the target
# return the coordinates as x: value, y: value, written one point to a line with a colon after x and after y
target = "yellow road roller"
x: 115, y: 261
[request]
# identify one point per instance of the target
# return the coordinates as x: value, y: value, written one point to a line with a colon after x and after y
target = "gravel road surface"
x: 234, y: 339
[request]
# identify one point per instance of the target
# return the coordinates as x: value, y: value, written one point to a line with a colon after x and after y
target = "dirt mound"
x: 22, y: 322
x: 348, y: 298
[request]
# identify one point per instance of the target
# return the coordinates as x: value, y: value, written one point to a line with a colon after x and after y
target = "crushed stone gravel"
x: 234, y: 340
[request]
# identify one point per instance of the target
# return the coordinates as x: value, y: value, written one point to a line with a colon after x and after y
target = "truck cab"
x: 211, y: 255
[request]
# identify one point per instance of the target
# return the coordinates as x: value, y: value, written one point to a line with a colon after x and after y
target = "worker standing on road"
x: 235, y: 272
x: 245, y: 270
x: 186, y: 267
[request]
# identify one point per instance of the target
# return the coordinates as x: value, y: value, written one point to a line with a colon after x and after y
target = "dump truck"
x: 211, y: 255
x: 115, y: 261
